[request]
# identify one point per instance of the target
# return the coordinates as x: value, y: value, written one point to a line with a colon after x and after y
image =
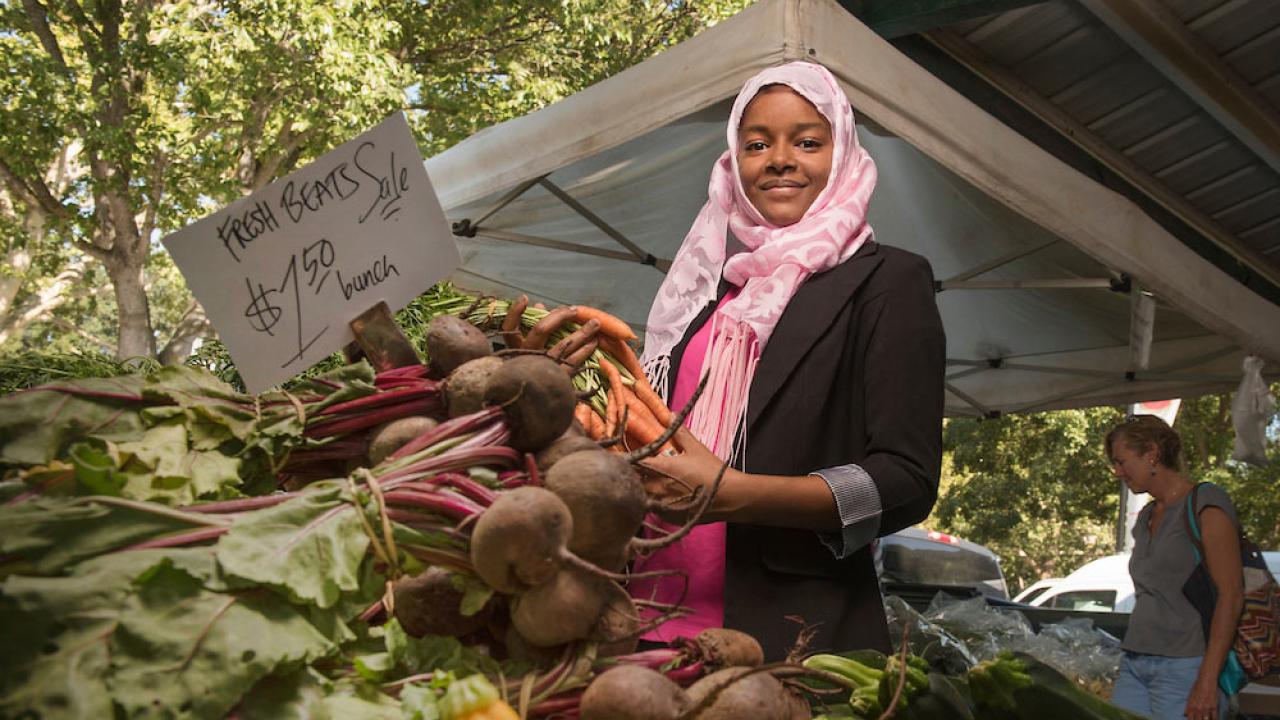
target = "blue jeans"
x: 1157, y: 687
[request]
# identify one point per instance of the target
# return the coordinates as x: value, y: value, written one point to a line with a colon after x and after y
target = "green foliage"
x: 28, y: 368
x: 1039, y: 492
x: 1034, y: 488
x: 164, y: 113
x: 282, y: 546
x: 137, y: 631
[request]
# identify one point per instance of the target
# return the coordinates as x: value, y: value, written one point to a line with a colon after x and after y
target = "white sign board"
x: 283, y: 271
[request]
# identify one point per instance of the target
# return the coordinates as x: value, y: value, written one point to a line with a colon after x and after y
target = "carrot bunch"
x: 611, y: 380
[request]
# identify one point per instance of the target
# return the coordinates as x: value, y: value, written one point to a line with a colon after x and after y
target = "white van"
x: 1104, y: 585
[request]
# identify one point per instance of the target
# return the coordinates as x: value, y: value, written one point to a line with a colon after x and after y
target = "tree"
x: 1035, y: 488
x: 155, y: 114
x: 128, y: 120
x: 1038, y: 490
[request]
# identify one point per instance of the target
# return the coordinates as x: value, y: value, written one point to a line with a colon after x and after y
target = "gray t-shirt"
x: 1163, y: 621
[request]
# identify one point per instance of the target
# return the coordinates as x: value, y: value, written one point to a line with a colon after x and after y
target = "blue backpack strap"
x: 1192, y: 527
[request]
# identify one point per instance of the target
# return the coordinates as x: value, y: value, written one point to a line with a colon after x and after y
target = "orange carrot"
x: 582, y: 413
x: 614, y: 378
x: 597, y: 429
x: 612, y: 414
x: 644, y: 391
x: 609, y: 325
x: 642, y: 426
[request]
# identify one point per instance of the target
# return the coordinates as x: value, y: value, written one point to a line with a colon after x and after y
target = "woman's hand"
x: 1202, y: 703
x: 573, y: 350
x: 680, y: 481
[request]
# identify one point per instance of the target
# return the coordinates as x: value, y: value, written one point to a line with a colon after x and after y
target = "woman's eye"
x: 810, y: 144
x: 755, y: 145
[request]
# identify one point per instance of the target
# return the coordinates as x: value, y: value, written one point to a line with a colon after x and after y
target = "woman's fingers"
x: 579, y: 356
x: 575, y: 341
x: 544, y: 328
x: 511, y: 336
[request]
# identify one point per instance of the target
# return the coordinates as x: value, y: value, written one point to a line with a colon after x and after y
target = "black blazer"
x: 852, y: 374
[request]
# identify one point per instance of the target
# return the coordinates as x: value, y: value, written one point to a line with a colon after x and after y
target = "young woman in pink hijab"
x: 824, y: 355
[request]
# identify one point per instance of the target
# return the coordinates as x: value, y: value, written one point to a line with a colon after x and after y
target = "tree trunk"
x: 195, y: 324
x: 135, y: 338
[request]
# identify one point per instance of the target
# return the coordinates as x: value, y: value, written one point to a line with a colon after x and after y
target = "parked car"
x: 1103, y: 585
x: 1035, y: 590
x: 917, y: 558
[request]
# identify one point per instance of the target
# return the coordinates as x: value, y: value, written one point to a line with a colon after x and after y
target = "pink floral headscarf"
x: 777, y: 262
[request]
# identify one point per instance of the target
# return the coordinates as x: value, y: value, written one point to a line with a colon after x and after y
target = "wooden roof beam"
x: 1089, y: 141
x: 1161, y: 38
x: 897, y: 18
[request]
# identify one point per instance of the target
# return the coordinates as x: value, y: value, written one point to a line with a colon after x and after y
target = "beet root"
x: 560, y: 610
x: 452, y: 341
x: 631, y: 692
x: 725, y: 647
x: 521, y: 650
x: 567, y: 444
x: 759, y: 696
x: 536, y: 396
x: 519, y: 541
x: 617, y: 630
x: 390, y: 437
x: 464, y: 388
x: 607, y: 501
x: 428, y: 604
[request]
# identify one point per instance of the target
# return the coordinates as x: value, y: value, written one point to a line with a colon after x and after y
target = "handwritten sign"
x: 283, y: 271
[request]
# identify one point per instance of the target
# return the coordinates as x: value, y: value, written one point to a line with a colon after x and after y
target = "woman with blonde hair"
x: 1171, y: 661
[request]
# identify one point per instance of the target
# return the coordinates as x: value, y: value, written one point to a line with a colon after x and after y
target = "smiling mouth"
x: 781, y: 185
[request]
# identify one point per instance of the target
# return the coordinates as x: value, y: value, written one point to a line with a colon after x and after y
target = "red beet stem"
x: 455, y: 507
x: 240, y: 504
x: 190, y: 537
x: 446, y: 430
x: 416, y: 370
x: 456, y: 459
x: 342, y: 426
x: 463, y: 484
x: 389, y: 397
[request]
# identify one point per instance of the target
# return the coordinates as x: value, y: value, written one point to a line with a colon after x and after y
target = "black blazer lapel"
x: 808, y: 315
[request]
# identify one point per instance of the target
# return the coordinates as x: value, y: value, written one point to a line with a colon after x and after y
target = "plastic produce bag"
x: 1250, y: 412
x: 943, y: 650
x: 955, y: 634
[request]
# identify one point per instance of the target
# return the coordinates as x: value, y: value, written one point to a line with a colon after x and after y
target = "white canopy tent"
x: 1046, y: 277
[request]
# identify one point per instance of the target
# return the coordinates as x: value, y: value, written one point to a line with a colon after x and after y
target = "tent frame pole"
x: 1029, y: 284
x: 1001, y: 261
x: 645, y: 257
x: 515, y: 237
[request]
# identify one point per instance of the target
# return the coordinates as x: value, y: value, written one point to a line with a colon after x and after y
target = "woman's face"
x: 784, y: 154
x: 1131, y: 466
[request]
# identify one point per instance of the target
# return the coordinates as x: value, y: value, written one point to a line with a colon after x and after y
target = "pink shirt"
x: 700, y: 554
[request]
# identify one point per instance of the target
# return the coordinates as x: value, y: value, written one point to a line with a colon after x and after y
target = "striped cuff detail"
x: 858, y: 502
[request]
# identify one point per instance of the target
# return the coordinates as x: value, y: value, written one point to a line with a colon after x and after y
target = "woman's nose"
x: 781, y: 157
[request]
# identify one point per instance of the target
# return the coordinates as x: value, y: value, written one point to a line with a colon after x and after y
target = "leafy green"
x: 419, y: 703
x: 181, y: 646
x: 413, y: 655
x: 59, y: 632
x: 297, y: 695
x: 37, y: 425
x: 52, y: 533
x: 312, y: 546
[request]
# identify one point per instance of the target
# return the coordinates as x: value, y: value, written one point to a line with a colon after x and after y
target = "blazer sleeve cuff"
x: 858, y: 503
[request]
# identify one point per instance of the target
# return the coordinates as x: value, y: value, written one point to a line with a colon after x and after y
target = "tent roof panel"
x: 955, y: 185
